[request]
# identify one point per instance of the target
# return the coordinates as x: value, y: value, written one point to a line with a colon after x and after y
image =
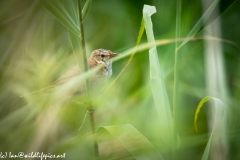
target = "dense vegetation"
x: 39, y: 41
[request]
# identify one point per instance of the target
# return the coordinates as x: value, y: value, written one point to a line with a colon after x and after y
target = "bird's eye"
x: 102, y: 56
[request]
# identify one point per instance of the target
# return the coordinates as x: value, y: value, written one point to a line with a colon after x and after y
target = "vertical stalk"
x: 92, y: 121
x: 215, y: 81
x: 90, y: 108
x: 176, y: 77
x: 84, y: 54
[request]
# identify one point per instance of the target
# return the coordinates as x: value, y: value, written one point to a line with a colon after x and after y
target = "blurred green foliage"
x: 36, y: 50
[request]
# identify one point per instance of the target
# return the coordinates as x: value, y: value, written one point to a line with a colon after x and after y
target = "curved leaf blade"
x: 205, y: 99
x: 218, y: 129
x: 134, y: 142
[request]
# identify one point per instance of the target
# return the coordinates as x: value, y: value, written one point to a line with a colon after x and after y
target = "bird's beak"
x: 113, y: 55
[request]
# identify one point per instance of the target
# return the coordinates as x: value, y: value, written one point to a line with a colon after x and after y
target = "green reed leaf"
x: 200, y: 23
x: 86, y: 9
x: 72, y: 8
x: 56, y: 8
x: 218, y: 128
x: 159, y: 92
x: 134, y: 142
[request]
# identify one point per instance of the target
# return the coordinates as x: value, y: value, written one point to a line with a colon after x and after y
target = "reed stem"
x: 176, y: 79
x: 84, y: 55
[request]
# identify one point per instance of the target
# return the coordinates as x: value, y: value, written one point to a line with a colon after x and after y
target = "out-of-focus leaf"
x: 213, y: 17
x: 86, y: 9
x: 56, y: 8
x: 140, y: 33
x: 157, y: 82
x: 205, y: 99
x: 148, y: 11
x: 75, y: 42
x: 21, y: 115
x: 218, y: 123
x: 67, y: 89
x: 161, y: 42
x: 72, y: 8
x: 134, y: 142
x: 18, y: 31
x: 200, y: 23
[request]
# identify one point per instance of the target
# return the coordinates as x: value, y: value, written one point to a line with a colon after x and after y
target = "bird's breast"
x: 108, y: 69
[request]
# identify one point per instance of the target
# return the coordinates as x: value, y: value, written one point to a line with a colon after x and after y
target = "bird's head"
x: 102, y: 56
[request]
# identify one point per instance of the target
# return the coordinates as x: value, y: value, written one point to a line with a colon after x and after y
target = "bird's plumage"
x: 98, y: 57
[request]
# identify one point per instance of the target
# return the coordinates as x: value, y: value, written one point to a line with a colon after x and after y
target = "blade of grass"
x: 157, y: 82
x: 82, y: 38
x: 205, y: 99
x: 76, y: 46
x: 134, y: 142
x: 86, y: 9
x: 176, y: 78
x: 72, y: 9
x: 216, y: 80
x: 218, y: 127
x: 200, y: 23
x: 225, y: 8
x: 67, y: 89
x: 145, y: 46
x: 56, y: 8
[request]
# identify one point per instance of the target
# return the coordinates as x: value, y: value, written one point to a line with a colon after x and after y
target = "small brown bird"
x: 98, y: 57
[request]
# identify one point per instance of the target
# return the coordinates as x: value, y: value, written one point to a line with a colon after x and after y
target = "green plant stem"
x: 84, y: 54
x: 92, y: 121
x: 90, y: 107
x: 176, y: 78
